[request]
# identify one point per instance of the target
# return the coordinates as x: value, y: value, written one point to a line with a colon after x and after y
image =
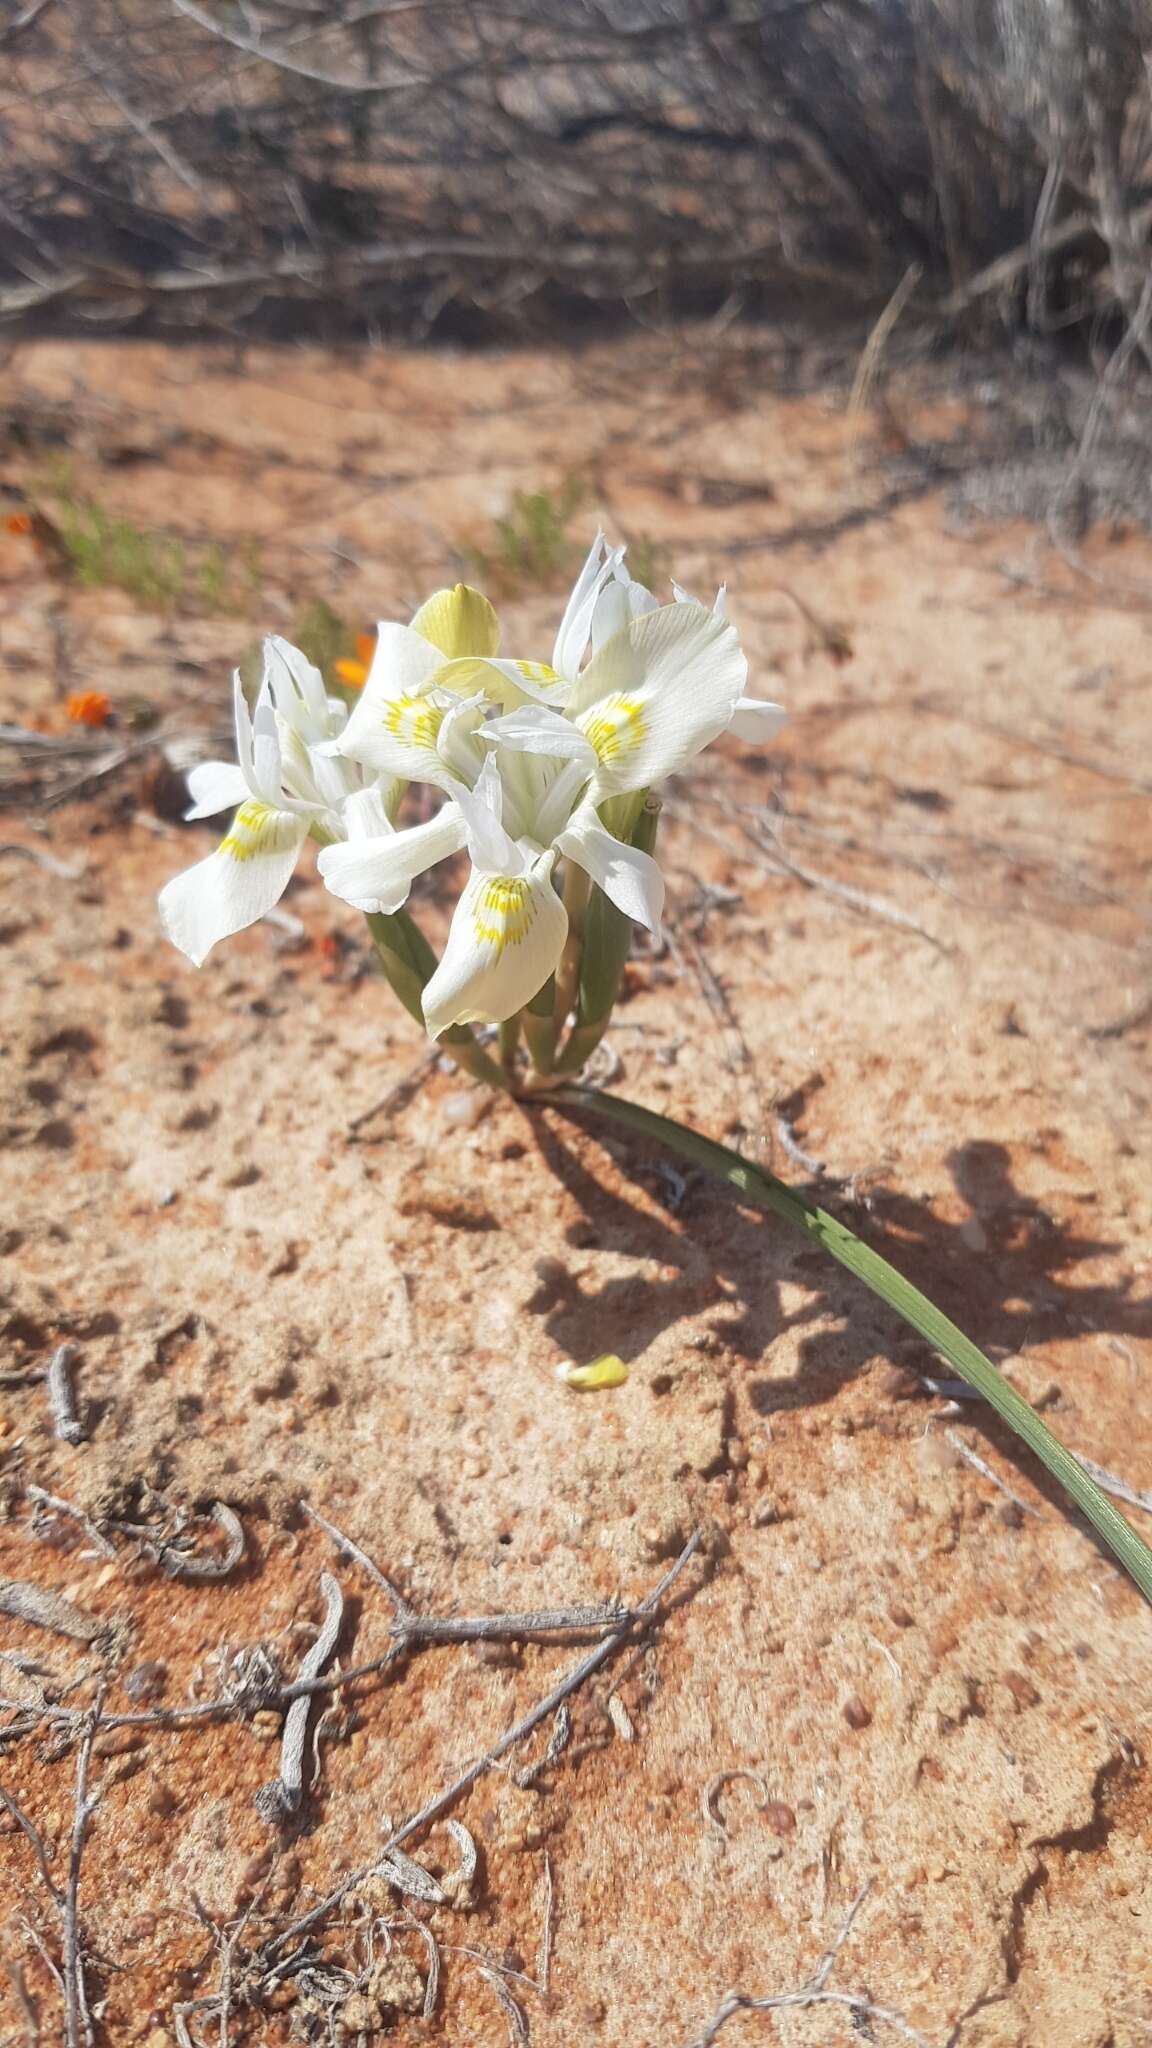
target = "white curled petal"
x: 630, y: 878
x: 266, y: 753
x: 534, y: 730
x: 458, y: 743
x: 621, y: 599
x: 296, y: 687
x: 505, y: 939
x: 576, y: 625
x: 377, y: 873
x: 242, y: 719
x: 757, y: 721
x: 490, y: 848
x: 555, y: 804
x: 215, y: 786
x: 611, y: 615
x: 657, y: 693
x: 236, y: 885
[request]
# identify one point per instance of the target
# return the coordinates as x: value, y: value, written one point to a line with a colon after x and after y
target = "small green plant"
x: 105, y: 549
x: 650, y: 562
x: 532, y: 545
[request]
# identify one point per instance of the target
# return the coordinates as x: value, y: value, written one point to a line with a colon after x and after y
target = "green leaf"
x: 756, y: 1184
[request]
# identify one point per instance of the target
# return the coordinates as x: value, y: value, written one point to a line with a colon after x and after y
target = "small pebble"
x: 117, y: 1742
x: 855, y: 1712
x: 464, y: 1109
x: 1022, y: 1689
x: 146, y: 1681
x: 779, y: 1818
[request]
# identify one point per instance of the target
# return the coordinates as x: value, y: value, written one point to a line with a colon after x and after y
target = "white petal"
x: 377, y: 874
x: 293, y: 682
x: 237, y: 884
x: 491, y: 850
x: 458, y: 743
x: 534, y: 730
x: 629, y: 878
x: 620, y: 600
x: 757, y: 721
x: 576, y: 625
x: 366, y: 814
x: 658, y: 693
x: 555, y: 804
x: 510, y: 683
x: 266, y: 753
x: 506, y: 938
x: 391, y: 728
x: 719, y: 602
x: 215, y: 786
x: 242, y: 719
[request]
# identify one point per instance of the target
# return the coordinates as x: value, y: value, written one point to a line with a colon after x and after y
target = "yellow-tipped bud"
x: 460, y: 622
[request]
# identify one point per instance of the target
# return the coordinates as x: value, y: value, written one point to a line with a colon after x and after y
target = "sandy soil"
x: 914, y: 941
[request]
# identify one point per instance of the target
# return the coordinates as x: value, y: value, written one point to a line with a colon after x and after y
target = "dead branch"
x: 441, y: 1801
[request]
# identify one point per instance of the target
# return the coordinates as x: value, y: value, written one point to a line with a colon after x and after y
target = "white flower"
x: 755, y: 719
x: 653, y: 695
x: 414, y: 717
x: 285, y: 789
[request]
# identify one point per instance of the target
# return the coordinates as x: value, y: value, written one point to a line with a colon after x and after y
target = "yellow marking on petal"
x: 414, y: 721
x: 258, y: 830
x: 536, y: 671
x: 608, y: 1371
x: 459, y: 622
x: 618, y: 727
x: 504, y: 913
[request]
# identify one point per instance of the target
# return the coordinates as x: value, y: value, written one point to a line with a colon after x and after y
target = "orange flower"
x: 18, y: 522
x: 355, y: 673
x: 88, y: 707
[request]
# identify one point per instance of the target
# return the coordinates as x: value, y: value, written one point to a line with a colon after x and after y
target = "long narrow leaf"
x: 756, y: 1184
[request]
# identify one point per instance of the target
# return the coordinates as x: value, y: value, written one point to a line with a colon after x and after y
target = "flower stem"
x: 408, y: 963
x: 756, y: 1184
x: 509, y: 1040
x: 577, y: 889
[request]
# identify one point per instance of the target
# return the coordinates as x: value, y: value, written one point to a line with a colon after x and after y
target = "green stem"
x: 762, y: 1187
x: 509, y: 1040
x: 408, y: 963
x: 577, y: 889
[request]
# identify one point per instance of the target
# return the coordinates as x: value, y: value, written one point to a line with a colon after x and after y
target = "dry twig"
x: 448, y: 1796
x: 62, y: 1396
x: 861, y: 2011
x: 279, y: 1799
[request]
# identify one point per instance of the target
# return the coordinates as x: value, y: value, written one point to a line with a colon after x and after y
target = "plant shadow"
x: 1006, y: 1273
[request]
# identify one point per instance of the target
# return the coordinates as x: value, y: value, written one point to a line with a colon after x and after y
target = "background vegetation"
x: 448, y: 166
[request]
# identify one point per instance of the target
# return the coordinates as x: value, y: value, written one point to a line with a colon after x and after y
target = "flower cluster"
x: 541, y: 766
